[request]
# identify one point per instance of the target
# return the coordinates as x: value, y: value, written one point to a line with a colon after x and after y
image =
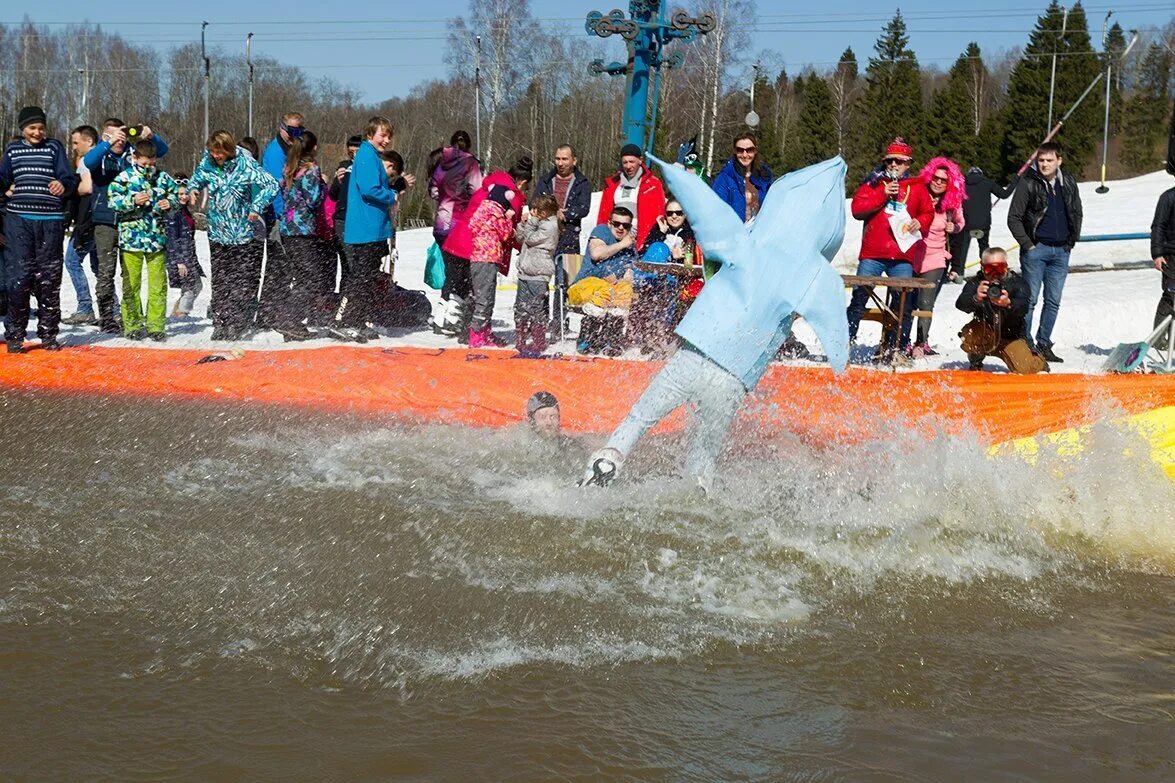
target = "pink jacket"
x: 492, y: 236
x: 460, y: 240
x: 937, y: 244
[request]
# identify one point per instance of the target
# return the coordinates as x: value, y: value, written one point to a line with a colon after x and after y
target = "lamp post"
x: 207, y: 74
x: 249, y: 62
x: 1053, y: 80
x: 1104, y: 188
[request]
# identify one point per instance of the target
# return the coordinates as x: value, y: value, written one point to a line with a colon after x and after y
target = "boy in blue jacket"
x: 38, y: 171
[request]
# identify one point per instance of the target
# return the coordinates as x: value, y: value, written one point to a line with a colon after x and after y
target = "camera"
x: 994, y: 291
x: 133, y: 132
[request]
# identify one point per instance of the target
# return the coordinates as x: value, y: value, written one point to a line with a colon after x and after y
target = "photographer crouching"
x: 998, y: 300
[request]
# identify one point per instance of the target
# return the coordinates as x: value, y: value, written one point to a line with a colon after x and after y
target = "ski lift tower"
x: 646, y: 31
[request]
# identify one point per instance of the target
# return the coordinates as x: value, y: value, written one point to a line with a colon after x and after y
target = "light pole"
x: 753, y: 116
x: 207, y: 75
x: 1053, y: 80
x: 477, y: 97
x: 249, y: 61
x: 1103, y: 188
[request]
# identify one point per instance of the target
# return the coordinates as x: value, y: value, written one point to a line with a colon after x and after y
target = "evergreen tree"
x: 1115, y: 47
x: 1026, y: 110
x: 768, y: 130
x: 957, y: 111
x: 815, y: 137
x: 1144, y: 126
x: 891, y: 104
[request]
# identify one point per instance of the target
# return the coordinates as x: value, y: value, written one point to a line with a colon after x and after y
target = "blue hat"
x: 657, y: 253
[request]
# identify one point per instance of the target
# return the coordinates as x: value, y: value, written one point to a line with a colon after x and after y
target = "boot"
x: 521, y: 333
x: 613, y: 336
x: 453, y: 322
x: 480, y: 338
x: 589, y: 335
x: 538, y: 339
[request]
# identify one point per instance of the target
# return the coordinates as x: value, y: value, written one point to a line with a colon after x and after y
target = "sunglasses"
x: 744, y: 149
x: 292, y: 132
x: 943, y: 180
x: 620, y: 225
x: 674, y: 213
x: 891, y: 161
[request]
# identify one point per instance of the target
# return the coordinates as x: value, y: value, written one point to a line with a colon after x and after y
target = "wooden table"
x: 890, y: 321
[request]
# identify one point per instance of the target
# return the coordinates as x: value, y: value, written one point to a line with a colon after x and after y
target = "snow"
x: 1099, y: 309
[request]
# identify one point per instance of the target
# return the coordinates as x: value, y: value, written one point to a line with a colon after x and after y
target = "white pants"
x: 687, y: 377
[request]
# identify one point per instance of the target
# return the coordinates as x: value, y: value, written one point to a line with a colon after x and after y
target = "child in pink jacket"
x: 492, y: 231
x: 947, y: 186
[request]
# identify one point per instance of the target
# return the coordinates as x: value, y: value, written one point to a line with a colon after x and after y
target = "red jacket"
x: 460, y: 239
x: 650, y: 203
x: 877, y: 240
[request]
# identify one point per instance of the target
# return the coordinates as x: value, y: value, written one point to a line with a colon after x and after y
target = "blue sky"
x: 409, y: 37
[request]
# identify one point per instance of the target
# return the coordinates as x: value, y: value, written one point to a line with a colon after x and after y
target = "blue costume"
x: 744, y: 313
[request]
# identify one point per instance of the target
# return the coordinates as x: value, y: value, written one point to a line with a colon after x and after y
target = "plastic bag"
x: 434, y: 268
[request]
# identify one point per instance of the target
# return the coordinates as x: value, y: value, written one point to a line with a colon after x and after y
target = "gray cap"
x: 538, y: 401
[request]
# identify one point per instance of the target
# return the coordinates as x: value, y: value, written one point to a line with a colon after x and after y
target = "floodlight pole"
x: 1053, y: 80
x: 249, y: 61
x: 477, y: 98
x: 207, y: 74
x: 1104, y: 188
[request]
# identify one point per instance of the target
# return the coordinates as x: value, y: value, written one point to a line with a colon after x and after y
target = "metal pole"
x: 1053, y: 81
x: 477, y: 97
x: 249, y: 60
x: 207, y: 75
x: 85, y: 85
x: 1057, y: 128
x: 1106, y: 130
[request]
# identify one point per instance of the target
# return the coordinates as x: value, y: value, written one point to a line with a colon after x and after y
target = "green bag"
x: 434, y: 268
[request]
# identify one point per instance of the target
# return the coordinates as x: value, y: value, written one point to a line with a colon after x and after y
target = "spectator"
x: 977, y: 216
x: 1045, y: 218
x: 239, y: 191
x: 183, y: 266
x: 603, y: 287
x: 947, y: 187
x: 338, y: 192
x: 658, y: 296
x: 302, y: 191
x: 673, y: 229
x: 454, y: 176
x: 142, y: 196
x: 886, y: 191
x: 538, y: 240
x: 573, y: 193
x: 743, y: 181
x: 273, y: 160
x: 458, y: 246
x: 492, y: 229
x: 79, y: 215
x: 998, y: 300
x: 106, y: 161
x: 394, y: 167
x: 366, y: 234
x: 635, y: 188
x: 37, y: 170
x: 1163, y: 253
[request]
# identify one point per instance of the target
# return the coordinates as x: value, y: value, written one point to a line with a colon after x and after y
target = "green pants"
x: 133, y: 262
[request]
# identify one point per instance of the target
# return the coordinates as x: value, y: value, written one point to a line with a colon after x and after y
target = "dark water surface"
x: 194, y: 592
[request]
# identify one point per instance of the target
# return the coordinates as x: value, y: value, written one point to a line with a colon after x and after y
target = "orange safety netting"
x: 490, y: 388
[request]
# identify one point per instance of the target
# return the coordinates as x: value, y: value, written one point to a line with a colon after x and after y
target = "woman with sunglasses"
x: 743, y: 181
x: 948, y: 188
x: 654, y: 313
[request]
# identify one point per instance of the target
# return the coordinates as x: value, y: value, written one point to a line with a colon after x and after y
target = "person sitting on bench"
x: 997, y: 298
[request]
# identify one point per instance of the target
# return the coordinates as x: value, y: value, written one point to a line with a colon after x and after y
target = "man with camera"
x: 107, y: 160
x: 998, y: 300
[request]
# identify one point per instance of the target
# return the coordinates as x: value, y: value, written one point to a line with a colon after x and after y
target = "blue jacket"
x: 104, y: 166
x: 729, y: 187
x: 273, y: 160
x: 777, y: 268
x: 369, y: 194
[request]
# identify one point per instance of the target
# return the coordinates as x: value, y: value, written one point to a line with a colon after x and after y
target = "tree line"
x: 536, y: 92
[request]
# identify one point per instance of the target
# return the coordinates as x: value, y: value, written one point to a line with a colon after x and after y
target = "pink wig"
x: 956, y: 182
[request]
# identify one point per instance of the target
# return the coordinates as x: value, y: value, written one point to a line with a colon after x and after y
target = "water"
x: 197, y: 592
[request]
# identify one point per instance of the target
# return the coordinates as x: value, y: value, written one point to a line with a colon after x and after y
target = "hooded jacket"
x: 980, y: 189
x: 459, y: 243
x: 452, y: 183
x: 650, y: 202
x: 729, y: 186
x: 1030, y: 202
x: 142, y: 228
x: 369, y: 194
x: 877, y: 239
x: 235, y: 189
x: 105, y: 164
x: 537, y: 240
x: 579, y: 204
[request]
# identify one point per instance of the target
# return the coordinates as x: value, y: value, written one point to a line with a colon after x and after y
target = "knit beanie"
x: 29, y: 115
x: 630, y: 149
x: 538, y: 401
x: 899, y: 148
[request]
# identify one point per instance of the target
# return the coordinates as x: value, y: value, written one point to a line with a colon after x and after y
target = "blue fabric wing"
x: 718, y: 230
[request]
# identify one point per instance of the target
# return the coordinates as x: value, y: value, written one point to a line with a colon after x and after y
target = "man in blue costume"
x: 744, y: 313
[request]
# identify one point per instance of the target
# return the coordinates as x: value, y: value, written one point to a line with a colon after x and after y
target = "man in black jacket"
x: 976, y: 218
x: 1163, y: 252
x: 573, y: 193
x: 1045, y: 218
x: 998, y: 301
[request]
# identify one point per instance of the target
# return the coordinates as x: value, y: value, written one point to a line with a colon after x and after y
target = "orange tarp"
x: 490, y: 388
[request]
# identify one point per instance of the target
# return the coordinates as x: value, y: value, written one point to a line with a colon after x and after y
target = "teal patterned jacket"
x: 235, y: 189
x: 142, y: 229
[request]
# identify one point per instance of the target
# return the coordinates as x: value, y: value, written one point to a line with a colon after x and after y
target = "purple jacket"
x: 452, y: 183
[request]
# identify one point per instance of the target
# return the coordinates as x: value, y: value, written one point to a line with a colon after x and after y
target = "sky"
x: 409, y: 37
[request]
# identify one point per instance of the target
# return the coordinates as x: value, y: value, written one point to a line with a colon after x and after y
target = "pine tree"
x: 891, y: 104
x: 768, y: 130
x: 957, y: 111
x: 815, y: 137
x: 1144, y: 126
x: 1026, y: 110
x: 1115, y: 47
